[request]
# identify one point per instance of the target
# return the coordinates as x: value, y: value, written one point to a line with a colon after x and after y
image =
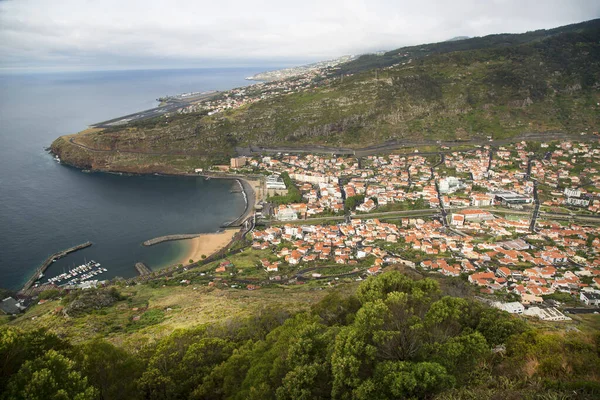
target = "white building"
x: 546, y: 314
x: 450, y: 185
x: 287, y: 214
x: 367, y: 206
x: 275, y: 182
x: 572, y: 192
x: 590, y: 298
x: 481, y: 200
x: 578, y: 202
x: 514, y: 308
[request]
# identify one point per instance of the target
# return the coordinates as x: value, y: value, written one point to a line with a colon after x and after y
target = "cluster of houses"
x: 344, y: 244
x: 485, y: 177
x: 553, y: 263
x: 497, y: 253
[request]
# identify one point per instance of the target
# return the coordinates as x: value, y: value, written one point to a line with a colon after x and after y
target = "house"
x: 374, y: 270
x: 10, y: 306
x: 471, y: 215
x: 458, y: 220
x: 590, y: 298
x: 367, y: 206
x: 295, y: 257
x: 572, y: 192
x: 554, y: 257
x: 481, y: 200
x: 481, y: 278
x: 527, y: 298
x: 503, y: 272
x: 286, y: 214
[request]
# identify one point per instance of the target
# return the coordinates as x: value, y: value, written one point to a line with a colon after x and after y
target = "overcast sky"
x: 124, y: 34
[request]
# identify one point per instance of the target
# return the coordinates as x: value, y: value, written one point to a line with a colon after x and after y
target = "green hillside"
x: 394, y: 338
x: 497, y: 41
x: 496, y: 86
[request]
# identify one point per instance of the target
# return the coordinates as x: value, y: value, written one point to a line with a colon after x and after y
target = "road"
x: 397, y: 144
x: 536, y: 207
x: 427, y: 212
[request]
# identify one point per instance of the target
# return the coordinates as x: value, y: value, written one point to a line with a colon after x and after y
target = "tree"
x: 335, y: 309
x: 353, y: 201
x: 111, y: 370
x: 50, y: 377
x: 378, y: 287
x: 401, y: 380
x: 18, y: 346
x: 497, y: 326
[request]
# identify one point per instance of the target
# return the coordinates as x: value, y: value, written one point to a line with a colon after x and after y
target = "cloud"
x: 152, y: 33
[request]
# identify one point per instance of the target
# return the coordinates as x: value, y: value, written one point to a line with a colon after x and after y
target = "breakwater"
x: 42, y: 268
x: 170, y: 237
x: 142, y: 269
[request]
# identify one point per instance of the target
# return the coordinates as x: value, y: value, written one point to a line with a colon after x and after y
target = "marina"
x: 77, y: 275
x: 39, y: 272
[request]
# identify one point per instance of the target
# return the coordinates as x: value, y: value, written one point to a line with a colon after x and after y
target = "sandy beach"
x: 205, y: 244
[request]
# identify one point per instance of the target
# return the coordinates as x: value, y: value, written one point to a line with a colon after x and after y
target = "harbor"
x: 78, y: 275
x: 39, y: 272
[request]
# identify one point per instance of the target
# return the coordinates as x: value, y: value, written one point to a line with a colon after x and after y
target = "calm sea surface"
x: 46, y: 207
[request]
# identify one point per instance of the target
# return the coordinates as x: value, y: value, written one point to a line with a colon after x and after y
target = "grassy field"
x: 164, y: 309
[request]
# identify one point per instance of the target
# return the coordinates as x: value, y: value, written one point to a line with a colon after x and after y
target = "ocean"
x: 46, y: 207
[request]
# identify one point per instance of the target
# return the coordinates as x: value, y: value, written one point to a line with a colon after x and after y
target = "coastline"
x: 205, y: 244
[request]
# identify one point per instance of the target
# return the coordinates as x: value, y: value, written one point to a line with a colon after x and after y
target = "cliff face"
x: 125, y: 160
x: 550, y: 84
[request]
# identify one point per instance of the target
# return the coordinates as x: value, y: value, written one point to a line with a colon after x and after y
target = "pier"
x: 42, y: 268
x: 170, y: 237
x: 142, y: 269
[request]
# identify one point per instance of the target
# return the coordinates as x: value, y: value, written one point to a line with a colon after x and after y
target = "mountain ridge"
x: 548, y: 83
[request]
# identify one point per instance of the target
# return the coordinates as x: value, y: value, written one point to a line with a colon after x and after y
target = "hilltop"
x: 498, y: 86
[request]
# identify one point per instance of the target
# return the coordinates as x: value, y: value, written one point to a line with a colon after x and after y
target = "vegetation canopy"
x: 394, y: 338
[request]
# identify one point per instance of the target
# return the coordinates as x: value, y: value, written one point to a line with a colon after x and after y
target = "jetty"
x: 170, y: 237
x: 142, y: 269
x: 51, y: 258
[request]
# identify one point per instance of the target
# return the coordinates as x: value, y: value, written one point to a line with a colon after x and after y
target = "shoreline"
x: 205, y: 244
x: 248, y: 191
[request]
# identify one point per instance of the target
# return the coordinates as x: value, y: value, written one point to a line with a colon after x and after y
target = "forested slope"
x: 395, y: 338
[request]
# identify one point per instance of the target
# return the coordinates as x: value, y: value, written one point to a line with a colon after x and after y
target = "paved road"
x: 397, y: 144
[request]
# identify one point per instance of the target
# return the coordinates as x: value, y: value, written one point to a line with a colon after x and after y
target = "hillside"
x: 393, y: 337
x: 498, y: 86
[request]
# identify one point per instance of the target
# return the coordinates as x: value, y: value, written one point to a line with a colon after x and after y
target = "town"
x: 519, y: 222
x: 295, y: 81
